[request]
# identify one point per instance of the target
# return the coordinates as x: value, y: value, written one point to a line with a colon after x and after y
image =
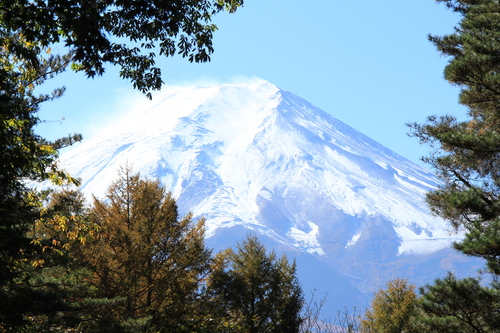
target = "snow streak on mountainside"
x: 262, y: 158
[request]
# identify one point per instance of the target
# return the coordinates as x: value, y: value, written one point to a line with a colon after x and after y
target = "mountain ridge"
x: 255, y: 158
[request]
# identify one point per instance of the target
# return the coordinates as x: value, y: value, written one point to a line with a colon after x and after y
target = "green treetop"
x: 452, y: 305
x: 258, y: 291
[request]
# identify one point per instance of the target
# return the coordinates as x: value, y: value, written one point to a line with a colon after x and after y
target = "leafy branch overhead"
x: 127, y: 33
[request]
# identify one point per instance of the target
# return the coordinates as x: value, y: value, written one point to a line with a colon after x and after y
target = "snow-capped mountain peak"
x: 254, y: 157
x: 233, y: 153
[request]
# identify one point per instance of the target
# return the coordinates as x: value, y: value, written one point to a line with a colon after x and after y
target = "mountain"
x: 256, y: 158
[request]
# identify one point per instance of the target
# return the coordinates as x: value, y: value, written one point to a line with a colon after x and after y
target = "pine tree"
x: 466, y: 157
x: 466, y: 152
x: 452, y: 305
x: 147, y: 258
x: 257, y: 292
x: 392, y: 309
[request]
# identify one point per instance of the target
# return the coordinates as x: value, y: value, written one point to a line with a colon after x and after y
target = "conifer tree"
x: 466, y: 152
x: 147, y: 258
x: 392, y: 309
x: 452, y: 305
x: 466, y: 157
x: 258, y: 292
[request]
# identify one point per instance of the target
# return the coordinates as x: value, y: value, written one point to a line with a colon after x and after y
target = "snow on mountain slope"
x: 259, y: 157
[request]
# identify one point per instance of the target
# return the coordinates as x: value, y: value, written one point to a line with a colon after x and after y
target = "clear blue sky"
x: 368, y: 63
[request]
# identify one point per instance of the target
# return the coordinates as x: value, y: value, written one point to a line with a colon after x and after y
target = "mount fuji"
x: 253, y: 158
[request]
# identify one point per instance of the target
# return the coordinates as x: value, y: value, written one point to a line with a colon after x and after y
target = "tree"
x: 258, y: 292
x: 459, y: 306
x: 466, y: 157
x: 466, y: 152
x: 96, y: 33
x: 50, y: 290
x: 61, y: 293
x: 117, y: 32
x: 25, y: 156
x: 392, y: 309
x: 147, y: 258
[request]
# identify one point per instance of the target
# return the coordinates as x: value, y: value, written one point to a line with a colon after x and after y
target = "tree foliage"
x: 467, y: 152
x: 127, y: 33
x: 460, y: 306
x: 258, y: 292
x: 49, y: 288
x: 466, y: 157
x: 392, y: 309
x: 25, y: 156
x: 147, y: 258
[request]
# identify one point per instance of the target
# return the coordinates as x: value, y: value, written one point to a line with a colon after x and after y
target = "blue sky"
x: 367, y: 63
